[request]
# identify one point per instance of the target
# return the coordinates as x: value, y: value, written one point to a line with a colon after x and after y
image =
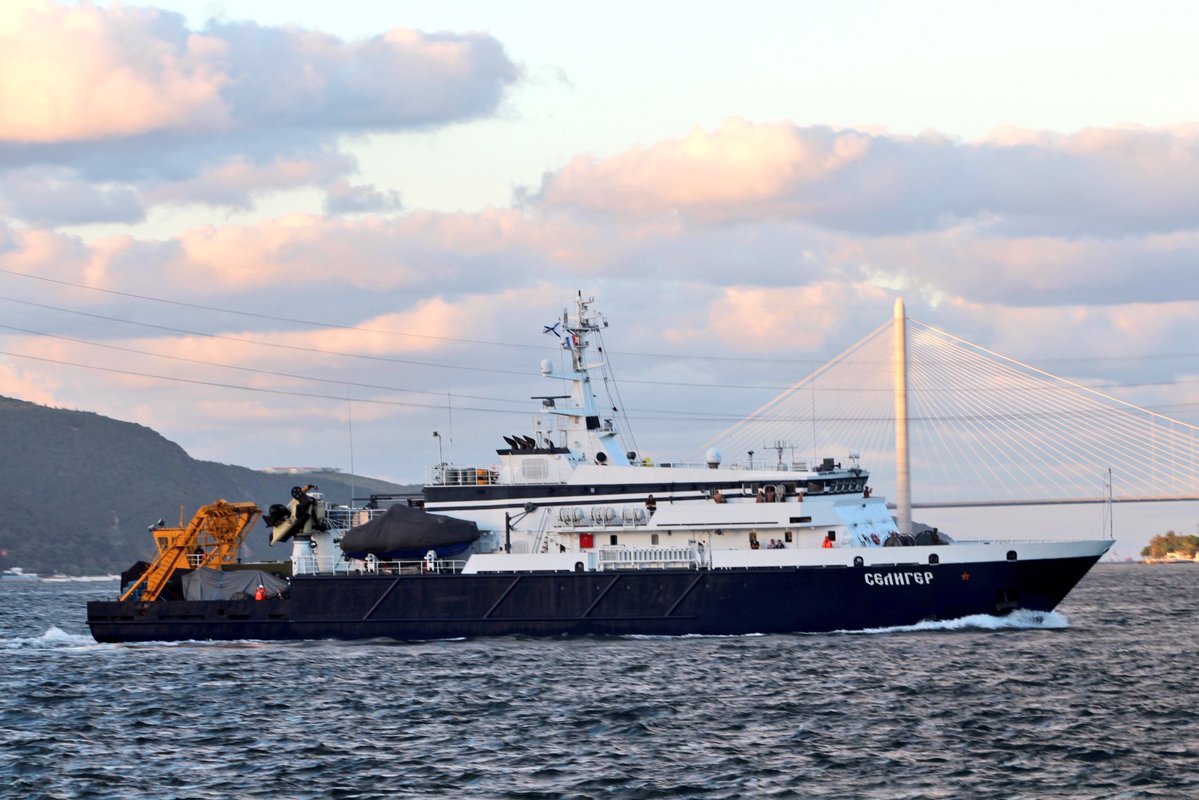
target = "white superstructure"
x: 570, y: 494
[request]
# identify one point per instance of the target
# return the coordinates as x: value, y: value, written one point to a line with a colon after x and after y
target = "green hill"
x: 80, y: 489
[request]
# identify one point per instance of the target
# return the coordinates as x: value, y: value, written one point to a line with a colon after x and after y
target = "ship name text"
x: 898, y: 578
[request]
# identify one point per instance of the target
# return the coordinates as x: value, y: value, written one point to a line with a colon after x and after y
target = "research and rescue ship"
x: 570, y: 532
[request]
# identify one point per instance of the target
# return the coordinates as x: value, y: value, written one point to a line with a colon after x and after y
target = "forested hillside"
x: 79, y: 489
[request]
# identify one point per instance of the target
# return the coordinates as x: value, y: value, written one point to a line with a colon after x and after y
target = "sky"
x: 307, y: 233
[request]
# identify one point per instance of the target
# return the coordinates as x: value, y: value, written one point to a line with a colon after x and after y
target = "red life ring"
x: 874, y: 538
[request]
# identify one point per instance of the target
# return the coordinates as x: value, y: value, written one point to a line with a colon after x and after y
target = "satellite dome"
x: 547, y: 367
x: 713, y: 457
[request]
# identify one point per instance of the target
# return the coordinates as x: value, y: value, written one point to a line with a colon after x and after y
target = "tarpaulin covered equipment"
x: 406, y: 532
x: 215, y: 584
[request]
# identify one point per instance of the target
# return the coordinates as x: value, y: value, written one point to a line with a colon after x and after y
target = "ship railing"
x: 423, y: 566
x: 601, y: 517
x: 335, y: 565
x: 790, y: 466
x: 345, y: 517
x: 694, y: 556
x: 320, y: 565
x: 453, y: 475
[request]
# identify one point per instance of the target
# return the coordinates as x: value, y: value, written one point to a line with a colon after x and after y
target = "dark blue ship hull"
x: 644, y: 602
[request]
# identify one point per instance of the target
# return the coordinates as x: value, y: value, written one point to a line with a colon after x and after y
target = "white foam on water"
x: 79, y: 578
x: 1020, y: 619
x: 54, y: 637
x: 665, y: 637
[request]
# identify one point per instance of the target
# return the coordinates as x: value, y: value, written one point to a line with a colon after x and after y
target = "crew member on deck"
x: 651, y: 505
x: 828, y: 540
x: 260, y: 594
x: 717, y: 497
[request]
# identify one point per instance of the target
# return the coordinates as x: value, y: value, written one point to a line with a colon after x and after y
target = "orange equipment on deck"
x: 212, y: 539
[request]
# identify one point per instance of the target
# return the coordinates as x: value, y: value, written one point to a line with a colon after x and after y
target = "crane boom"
x: 212, y: 539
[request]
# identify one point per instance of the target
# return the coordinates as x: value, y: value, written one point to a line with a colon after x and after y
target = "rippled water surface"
x: 1098, y: 700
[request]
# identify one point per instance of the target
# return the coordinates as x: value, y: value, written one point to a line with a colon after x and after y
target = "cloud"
x: 132, y: 99
x: 287, y: 77
x: 236, y: 181
x: 342, y: 198
x: 1097, y: 182
x: 26, y: 381
x: 84, y: 73
x: 417, y: 251
x: 54, y: 196
x: 976, y: 262
x: 774, y: 321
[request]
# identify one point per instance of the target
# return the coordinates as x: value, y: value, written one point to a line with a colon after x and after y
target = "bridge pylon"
x: 903, y: 468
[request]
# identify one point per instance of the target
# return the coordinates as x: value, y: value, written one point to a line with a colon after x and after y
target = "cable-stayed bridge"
x: 977, y: 428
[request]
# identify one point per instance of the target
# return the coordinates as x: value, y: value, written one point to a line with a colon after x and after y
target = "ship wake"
x: 53, y: 638
x: 1020, y: 619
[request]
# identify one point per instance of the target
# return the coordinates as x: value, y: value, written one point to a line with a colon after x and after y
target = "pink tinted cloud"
x: 27, y: 380
x: 456, y: 251
x: 1125, y: 343
x: 775, y: 320
x: 85, y: 72
x: 741, y: 164
x: 1105, y: 182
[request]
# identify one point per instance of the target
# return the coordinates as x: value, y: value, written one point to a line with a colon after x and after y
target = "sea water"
x: 1095, y: 700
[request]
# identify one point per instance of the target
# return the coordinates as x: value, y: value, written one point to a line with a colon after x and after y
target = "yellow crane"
x: 212, y: 539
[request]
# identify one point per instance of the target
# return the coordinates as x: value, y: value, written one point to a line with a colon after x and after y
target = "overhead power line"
x: 657, y: 414
x: 521, y: 345
x: 255, y: 370
x: 385, y: 331
x: 438, y: 365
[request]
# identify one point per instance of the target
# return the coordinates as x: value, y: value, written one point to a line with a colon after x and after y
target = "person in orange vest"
x: 261, y: 593
x: 828, y: 540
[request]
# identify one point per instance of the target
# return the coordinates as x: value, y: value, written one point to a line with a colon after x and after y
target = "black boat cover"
x: 406, y: 532
x: 238, y: 584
